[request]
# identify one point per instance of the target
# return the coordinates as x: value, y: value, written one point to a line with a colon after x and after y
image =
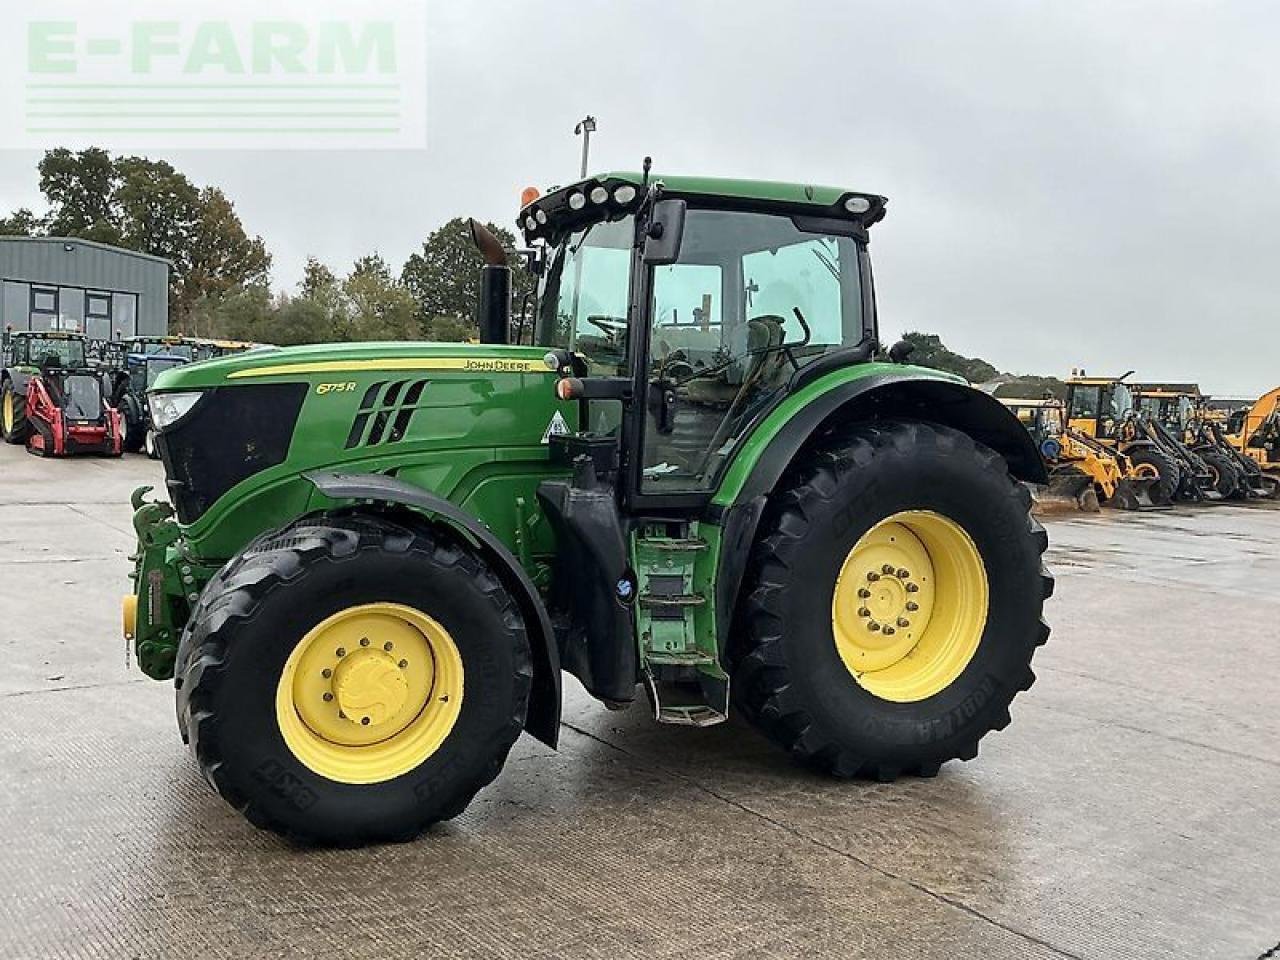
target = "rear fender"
x: 543, y: 720
x: 880, y: 396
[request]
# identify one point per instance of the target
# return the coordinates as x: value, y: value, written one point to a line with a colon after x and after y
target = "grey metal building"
x: 64, y: 283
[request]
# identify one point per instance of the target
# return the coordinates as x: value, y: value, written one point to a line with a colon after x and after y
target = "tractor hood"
x: 336, y: 360
x: 239, y: 434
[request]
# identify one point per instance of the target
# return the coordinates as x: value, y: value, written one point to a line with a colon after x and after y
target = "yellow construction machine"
x: 1081, y: 470
x: 1107, y: 410
x: 1255, y: 433
x: 1185, y: 413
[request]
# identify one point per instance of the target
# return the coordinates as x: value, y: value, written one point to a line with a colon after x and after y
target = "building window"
x: 44, y: 308
x: 97, y: 315
x: 99, y: 306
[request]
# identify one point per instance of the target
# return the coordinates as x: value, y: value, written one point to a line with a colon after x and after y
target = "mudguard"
x: 952, y: 403
x: 543, y: 719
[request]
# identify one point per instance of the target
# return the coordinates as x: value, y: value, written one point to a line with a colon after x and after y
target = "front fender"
x: 543, y: 720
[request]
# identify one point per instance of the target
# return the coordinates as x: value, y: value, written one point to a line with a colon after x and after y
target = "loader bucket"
x: 1070, y: 490
x: 1135, y: 494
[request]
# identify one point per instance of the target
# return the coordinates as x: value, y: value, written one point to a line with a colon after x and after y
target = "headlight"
x: 624, y: 194
x: 577, y: 201
x: 168, y: 408
x: 599, y: 195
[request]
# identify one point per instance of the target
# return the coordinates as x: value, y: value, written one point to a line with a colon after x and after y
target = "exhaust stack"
x: 494, y: 309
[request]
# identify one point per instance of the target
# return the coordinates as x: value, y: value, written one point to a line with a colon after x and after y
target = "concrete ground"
x: 1129, y: 811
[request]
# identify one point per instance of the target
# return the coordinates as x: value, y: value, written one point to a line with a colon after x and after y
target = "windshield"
x: 1121, y: 400
x: 583, y: 296
x: 158, y: 365
x: 69, y: 353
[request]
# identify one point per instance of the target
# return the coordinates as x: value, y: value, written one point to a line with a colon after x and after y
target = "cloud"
x: 1089, y: 184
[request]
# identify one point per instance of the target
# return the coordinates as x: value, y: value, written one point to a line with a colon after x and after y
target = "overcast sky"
x: 1075, y: 183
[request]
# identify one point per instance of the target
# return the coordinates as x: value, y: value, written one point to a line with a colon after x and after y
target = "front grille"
x: 231, y: 434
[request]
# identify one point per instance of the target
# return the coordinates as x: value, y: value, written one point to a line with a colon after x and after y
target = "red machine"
x: 68, y: 413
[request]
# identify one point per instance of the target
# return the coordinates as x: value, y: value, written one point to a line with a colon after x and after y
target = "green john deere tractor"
x: 702, y: 478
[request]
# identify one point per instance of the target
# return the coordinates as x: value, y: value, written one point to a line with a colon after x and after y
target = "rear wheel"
x: 1151, y: 464
x: 894, y: 603
x: 352, y: 680
x: 13, y: 414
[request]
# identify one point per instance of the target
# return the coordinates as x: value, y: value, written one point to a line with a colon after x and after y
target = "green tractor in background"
x: 701, y: 479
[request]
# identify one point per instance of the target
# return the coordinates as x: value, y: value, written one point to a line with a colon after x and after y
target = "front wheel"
x: 352, y: 680
x: 1162, y: 472
x: 13, y: 414
x: 894, y: 603
x: 149, y: 444
x: 1225, y: 477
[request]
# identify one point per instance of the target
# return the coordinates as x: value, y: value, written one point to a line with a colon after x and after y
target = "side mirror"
x: 665, y: 233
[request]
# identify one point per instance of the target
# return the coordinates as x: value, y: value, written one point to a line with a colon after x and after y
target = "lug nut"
x: 888, y: 631
x: 873, y: 626
x: 388, y: 646
x: 912, y: 588
x: 873, y: 576
x: 887, y: 569
x: 328, y: 697
x: 864, y: 612
x: 912, y: 606
x: 341, y: 651
x: 326, y: 673
x: 863, y: 592
x: 341, y: 715
x: 364, y: 641
x: 403, y: 664
x: 904, y: 622
x: 364, y: 721
x: 903, y: 573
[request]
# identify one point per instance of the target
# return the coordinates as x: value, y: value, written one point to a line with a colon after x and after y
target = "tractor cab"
x: 711, y: 317
x: 206, y: 349
x: 1177, y: 408
x: 179, y: 347
x: 135, y: 372
x: 1099, y: 406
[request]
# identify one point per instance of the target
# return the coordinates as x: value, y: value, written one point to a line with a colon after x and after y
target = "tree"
x: 23, y: 223
x: 148, y: 205
x: 444, y: 278
x: 377, y: 306
x: 81, y: 190
x: 931, y: 352
x: 221, y: 255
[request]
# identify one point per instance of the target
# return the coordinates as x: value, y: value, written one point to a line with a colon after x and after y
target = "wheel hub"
x: 909, y: 605
x: 892, y: 600
x: 370, y: 692
x: 369, y: 687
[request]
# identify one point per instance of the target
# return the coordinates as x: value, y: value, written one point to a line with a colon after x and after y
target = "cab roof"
x: 550, y: 216
x: 50, y: 334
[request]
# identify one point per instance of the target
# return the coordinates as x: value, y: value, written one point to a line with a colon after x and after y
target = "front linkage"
x: 167, y: 583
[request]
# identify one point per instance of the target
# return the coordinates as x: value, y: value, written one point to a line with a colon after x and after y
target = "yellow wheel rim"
x: 8, y: 411
x: 1144, y: 471
x: 910, y: 606
x: 370, y: 693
